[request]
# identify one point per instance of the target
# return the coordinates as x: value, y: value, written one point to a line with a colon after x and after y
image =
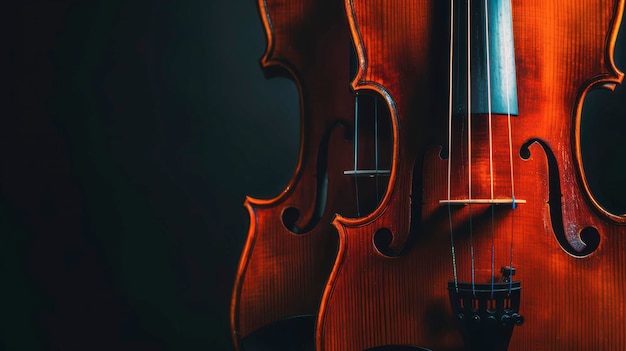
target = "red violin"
x: 488, y: 236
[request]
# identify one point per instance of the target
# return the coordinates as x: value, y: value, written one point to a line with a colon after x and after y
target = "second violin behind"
x: 291, y: 243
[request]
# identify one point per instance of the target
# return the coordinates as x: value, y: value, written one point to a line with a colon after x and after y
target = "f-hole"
x: 589, y: 237
x: 291, y: 215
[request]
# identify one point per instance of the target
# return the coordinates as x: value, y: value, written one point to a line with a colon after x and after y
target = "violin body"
x: 291, y: 244
x: 567, y: 251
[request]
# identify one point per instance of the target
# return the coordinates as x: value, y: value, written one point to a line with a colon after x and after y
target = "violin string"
x: 376, y: 144
x: 507, y: 69
x: 456, y: 284
x: 489, y: 111
x: 469, y: 139
x: 511, y: 253
x: 356, y: 152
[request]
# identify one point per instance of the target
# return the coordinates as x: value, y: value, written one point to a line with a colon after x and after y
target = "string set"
x: 492, y: 201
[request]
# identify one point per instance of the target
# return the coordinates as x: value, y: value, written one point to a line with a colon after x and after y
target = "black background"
x: 131, y: 133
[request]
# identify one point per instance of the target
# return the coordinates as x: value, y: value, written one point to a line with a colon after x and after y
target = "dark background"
x: 130, y: 133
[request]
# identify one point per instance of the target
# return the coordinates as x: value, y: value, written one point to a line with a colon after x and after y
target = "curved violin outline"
x: 281, y: 283
x: 608, y: 81
x: 278, y: 68
x: 399, y: 229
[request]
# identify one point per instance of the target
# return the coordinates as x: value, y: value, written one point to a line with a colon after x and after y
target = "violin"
x: 291, y: 243
x: 488, y: 236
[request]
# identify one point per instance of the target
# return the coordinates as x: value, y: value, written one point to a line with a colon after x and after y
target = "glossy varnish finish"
x: 572, y: 295
x: 283, y: 270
